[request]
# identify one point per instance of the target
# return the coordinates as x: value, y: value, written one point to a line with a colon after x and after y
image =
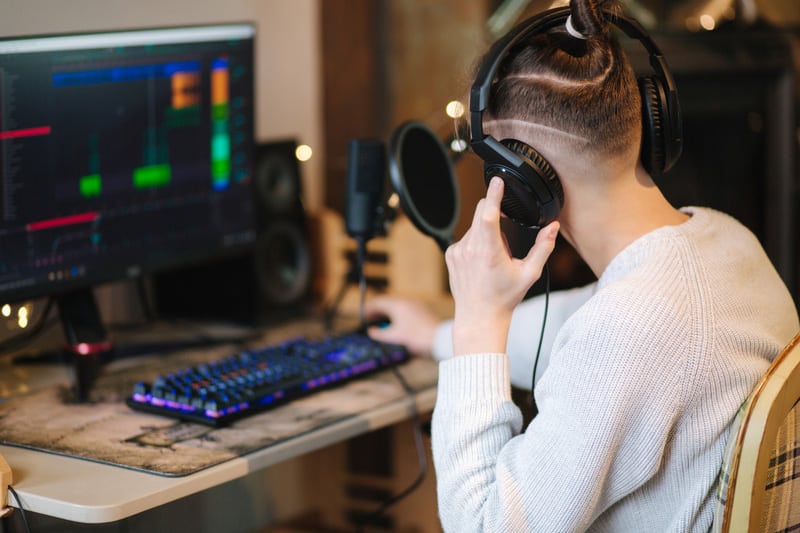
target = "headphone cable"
x: 541, y: 335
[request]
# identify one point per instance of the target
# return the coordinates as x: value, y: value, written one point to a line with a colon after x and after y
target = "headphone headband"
x: 486, y: 147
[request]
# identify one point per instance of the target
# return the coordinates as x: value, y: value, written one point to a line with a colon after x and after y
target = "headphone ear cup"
x: 540, y: 166
x: 533, y: 193
x: 654, y: 124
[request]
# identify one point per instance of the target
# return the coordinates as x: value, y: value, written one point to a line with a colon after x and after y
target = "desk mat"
x: 105, y: 430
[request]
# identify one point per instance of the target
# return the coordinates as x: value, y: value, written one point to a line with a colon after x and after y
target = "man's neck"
x: 600, y: 222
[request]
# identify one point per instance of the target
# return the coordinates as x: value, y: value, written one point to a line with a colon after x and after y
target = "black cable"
x: 361, y: 255
x: 421, y: 458
x: 21, y: 510
x: 541, y: 335
x: 350, y: 277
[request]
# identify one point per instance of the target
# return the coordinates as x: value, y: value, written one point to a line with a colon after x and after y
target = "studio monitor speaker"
x: 270, y: 282
x: 282, y: 252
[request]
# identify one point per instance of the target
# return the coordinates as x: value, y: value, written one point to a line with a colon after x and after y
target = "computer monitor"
x: 121, y: 153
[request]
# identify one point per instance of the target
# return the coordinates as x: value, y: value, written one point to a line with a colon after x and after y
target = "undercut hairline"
x: 532, y: 133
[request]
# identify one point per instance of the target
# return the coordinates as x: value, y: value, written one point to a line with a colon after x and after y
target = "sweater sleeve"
x: 526, y: 327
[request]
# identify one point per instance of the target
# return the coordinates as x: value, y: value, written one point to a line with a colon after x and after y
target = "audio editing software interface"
x: 122, y: 152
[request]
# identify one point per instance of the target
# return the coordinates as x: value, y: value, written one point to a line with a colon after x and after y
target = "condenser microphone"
x: 366, y: 173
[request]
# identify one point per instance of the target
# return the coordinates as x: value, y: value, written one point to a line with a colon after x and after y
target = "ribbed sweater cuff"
x: 475, y: 377
x: 443, y: 341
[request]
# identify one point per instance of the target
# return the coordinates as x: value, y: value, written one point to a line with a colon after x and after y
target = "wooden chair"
x: 759, y: 486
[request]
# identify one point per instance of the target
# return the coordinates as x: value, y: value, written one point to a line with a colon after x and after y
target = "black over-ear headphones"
x: 533, y: 193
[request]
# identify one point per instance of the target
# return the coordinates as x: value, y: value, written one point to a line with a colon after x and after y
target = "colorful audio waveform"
x: 184, y: 110
x: 220, y: 135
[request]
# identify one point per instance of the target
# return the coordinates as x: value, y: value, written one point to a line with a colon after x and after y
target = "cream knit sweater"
x: 641, y: 375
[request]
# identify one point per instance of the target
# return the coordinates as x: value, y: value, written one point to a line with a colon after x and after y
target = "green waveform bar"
x: 91, y: 186
x: 220, y: 111
x: 152, y: 176
x: 220, y: 160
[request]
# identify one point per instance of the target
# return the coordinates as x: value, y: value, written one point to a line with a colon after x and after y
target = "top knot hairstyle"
x: 587, y: 16
x: 562, y: 75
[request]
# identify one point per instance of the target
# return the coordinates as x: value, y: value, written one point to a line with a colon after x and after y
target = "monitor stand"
x: 87, y: 339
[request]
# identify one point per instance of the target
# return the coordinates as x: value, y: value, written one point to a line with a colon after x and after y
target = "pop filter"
x: 422, y: 176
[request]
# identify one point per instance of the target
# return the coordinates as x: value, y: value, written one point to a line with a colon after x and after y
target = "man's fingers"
x: 541, y: 250
x: 494, y: 197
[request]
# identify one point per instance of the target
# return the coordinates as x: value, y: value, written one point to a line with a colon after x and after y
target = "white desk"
x: 89, y: 492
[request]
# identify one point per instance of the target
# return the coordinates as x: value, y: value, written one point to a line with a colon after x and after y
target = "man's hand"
x: 486, y: 281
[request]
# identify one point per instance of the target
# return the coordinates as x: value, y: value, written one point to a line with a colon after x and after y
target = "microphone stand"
x: 355, y: 274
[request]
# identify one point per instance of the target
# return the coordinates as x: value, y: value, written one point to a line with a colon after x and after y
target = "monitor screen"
x: 122, y: 153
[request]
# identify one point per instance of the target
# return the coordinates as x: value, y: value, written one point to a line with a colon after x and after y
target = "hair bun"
x: 587, y: 18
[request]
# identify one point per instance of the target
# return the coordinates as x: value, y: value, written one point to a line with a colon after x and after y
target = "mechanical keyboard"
x: 244, y: 383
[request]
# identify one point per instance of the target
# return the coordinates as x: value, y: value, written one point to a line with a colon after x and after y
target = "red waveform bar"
x: 26, y: 132
x: 69, y: 220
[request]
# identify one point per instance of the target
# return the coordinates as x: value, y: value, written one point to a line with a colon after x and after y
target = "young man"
x: 643, y: 371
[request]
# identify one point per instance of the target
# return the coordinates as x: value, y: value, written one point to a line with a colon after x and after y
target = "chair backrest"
x: 760, y: 481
